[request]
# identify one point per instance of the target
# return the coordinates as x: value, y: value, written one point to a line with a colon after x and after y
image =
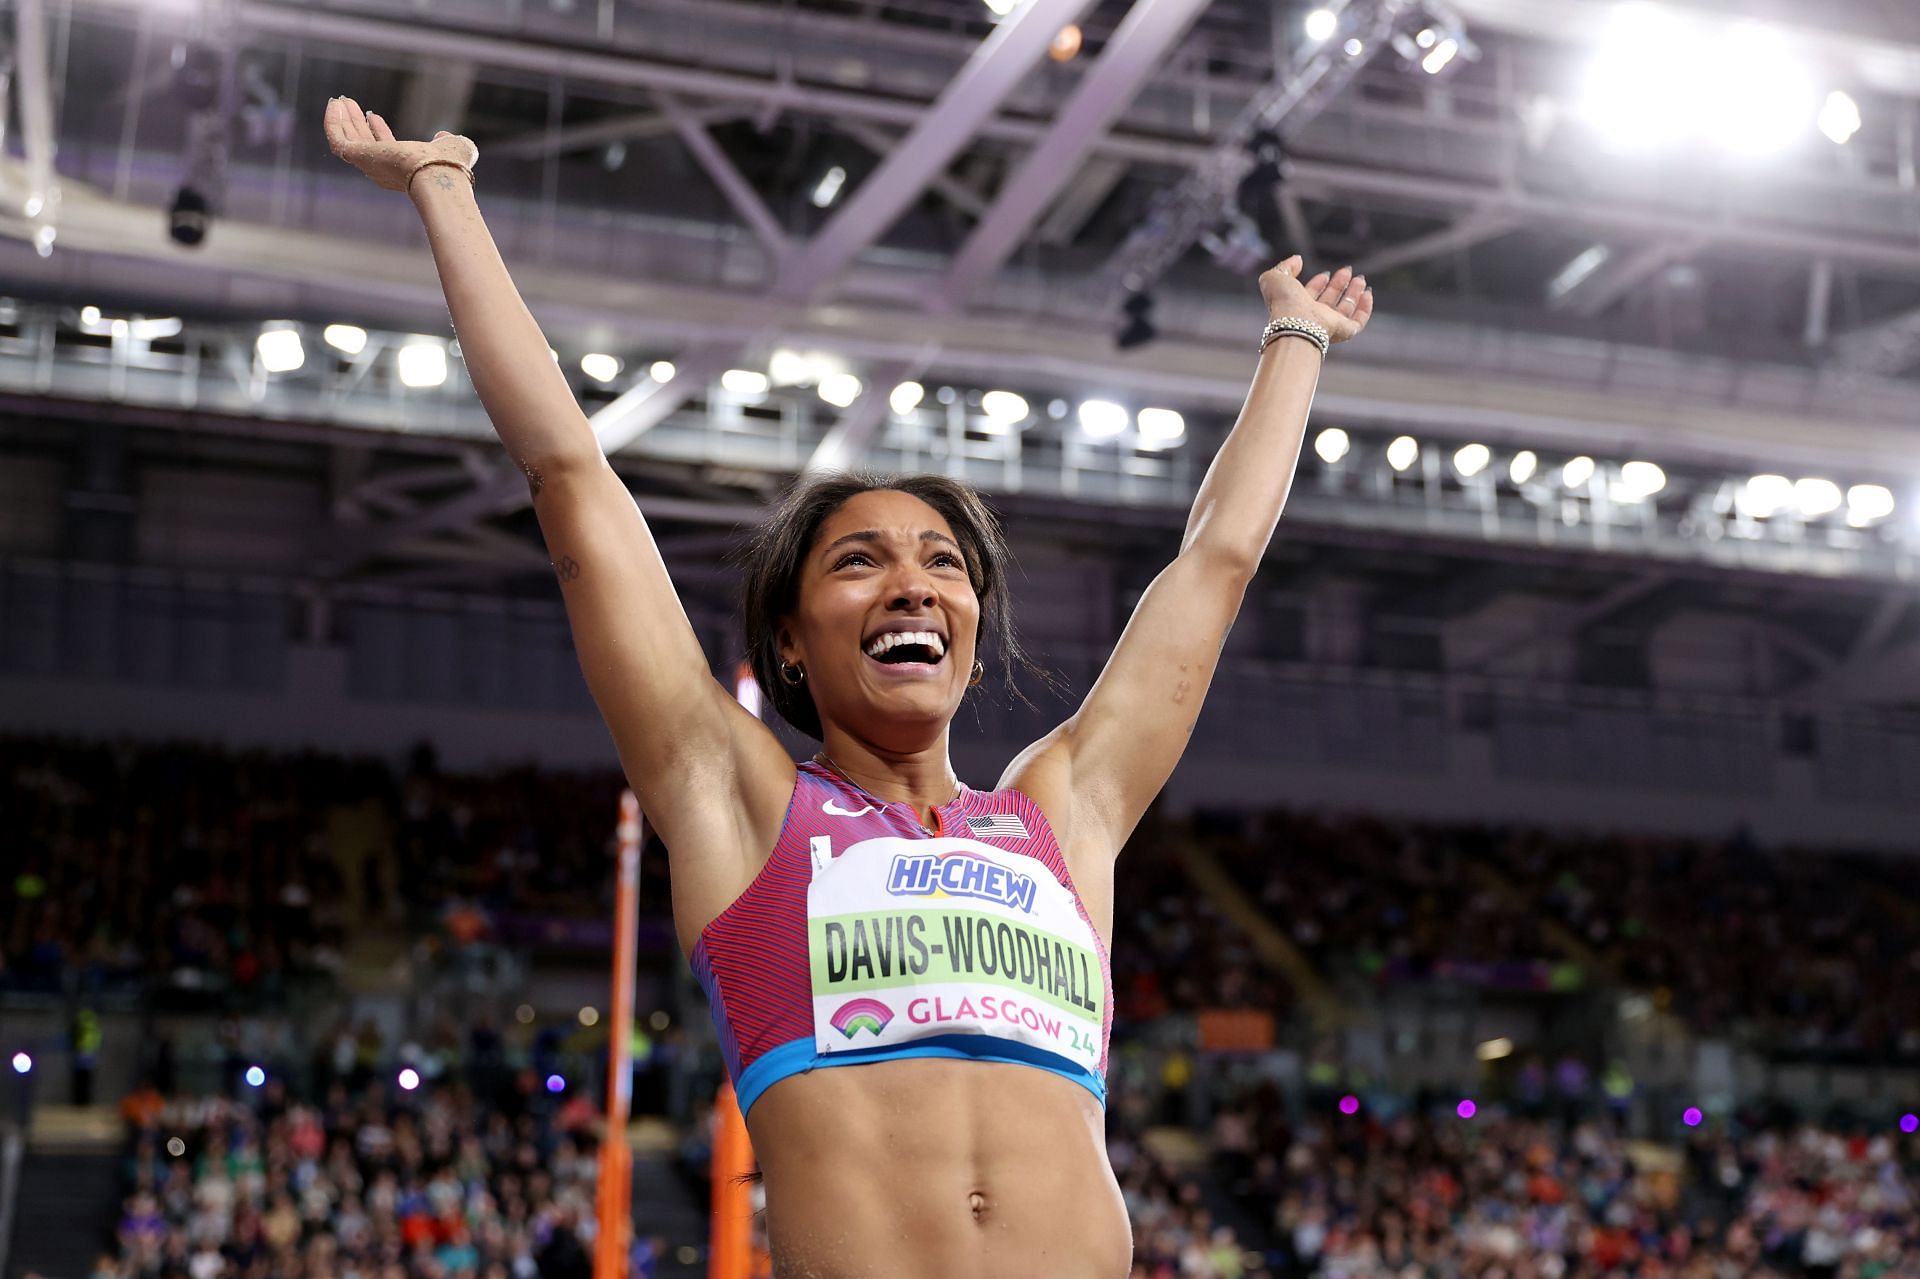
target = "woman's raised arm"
x: 683, y: 740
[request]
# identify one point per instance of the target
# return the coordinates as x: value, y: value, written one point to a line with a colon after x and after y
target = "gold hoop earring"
x: 792, y: 674
x: 979, y: 673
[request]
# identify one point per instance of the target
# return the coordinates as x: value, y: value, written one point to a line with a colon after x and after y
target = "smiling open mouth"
x: 924, y: 649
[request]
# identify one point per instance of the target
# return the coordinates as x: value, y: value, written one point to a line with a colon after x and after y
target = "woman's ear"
x: 783, y: 646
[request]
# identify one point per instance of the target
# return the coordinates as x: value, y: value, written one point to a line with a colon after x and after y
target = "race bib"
x: 912, y: 938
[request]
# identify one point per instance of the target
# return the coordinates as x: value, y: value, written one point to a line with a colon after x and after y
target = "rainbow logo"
x: 861, y: 1014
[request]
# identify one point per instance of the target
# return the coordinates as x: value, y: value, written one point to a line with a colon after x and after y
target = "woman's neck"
x: 922, y: 779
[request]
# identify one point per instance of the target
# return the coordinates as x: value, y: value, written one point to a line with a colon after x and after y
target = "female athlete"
x: 909, y: 977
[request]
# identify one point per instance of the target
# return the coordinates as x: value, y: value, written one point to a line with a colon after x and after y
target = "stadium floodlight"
x: 1641, y: 480
x: 1867, y: 503
x: 790, y: 368
x: 22, y: 1063
x: 1403, y: 452
x: 661, y: 370
x: 1840, y: 118
x: 1160, y: 428
x: 1765, y: 495
x: 905, y: 398
x: 1331, y: 445
x: 280, y: 350
x: 409, y: 1079
x: 422, y: 363
x: 1004, y: 409
x: 1321, y: 24
x: 1354, y: 47
x: 1814, y: 497
x: 1102, y: 419
x: 255, y: 1076
x: 827, y: 189
x: 600, y: 366
x: 348, y: 339
x: 1471, y: 459
x: 1660, y: 79
x: 840, y: 389
x: 1524, y: 464
x: 744, y: 382
x: 1577, y: 472
x: 89, y: 317
x: 1440, y: 56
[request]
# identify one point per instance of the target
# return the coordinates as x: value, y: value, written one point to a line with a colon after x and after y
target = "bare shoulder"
x: 1044, y: 774
x: 720, y: 823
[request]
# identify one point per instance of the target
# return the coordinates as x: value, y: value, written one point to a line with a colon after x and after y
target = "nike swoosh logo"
x: 831, y: 807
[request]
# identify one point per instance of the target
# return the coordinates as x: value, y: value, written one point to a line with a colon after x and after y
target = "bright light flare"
x: 348, y: 339
x: 599, y: 366
x: 22, y: 1063
x: 1349, y: 1105
x: 745, y: 382
x: 1765, y: 495
x: 1840, y: 118
x: 827, y: 190
x: 1403, y: 452
x: 1641, y: 480
x: 409, y: 1079
x: 1525, y: 463
x: 1102, y: 419
x: 1321, y: 24
x: 840, y: 389
x: 1466, y: 1109
x: 1161, y: 428
x: 589, y: 1016
x: 1331, y: 445
x: 1577, y: 472
x: 1662, y: 80
x: 280, y: 350
x: 422, y: 364
x: 1471, y: 459
x: 1867, y: 503
x: 556, y: 1083
x: 255, y: 1076
x: 1441, y: 56
x: 905, y: 398
x: 1814, y: 497
x: 1494, y: 1049
x: 1004, y: 408
x: 1692, y: 1116
x: 661, y: 370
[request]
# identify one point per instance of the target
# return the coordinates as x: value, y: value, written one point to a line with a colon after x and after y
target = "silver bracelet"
x: 1295, y: 326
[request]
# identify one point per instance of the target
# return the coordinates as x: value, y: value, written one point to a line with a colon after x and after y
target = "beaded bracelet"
x: 1295, y: 326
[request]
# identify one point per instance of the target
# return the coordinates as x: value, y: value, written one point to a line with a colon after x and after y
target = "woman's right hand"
x: 363, y: 140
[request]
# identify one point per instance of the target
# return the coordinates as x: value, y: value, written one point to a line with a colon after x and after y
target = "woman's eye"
x: 850, y: 558
x: 951, y: 560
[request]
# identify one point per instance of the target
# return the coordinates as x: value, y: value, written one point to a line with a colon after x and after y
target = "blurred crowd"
x: 1414, y: 1196
x: 1795, y: 951
x: 234, y: 872
x: 433, y: 1185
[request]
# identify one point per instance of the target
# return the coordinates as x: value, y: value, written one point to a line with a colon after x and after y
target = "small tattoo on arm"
x: 566, y: 568
x: 534, y: 481
x: 444, y: 180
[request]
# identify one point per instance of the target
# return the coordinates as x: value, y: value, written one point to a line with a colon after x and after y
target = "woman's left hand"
x: 1340, y: 302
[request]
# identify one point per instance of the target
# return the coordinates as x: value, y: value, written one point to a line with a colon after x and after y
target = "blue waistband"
x: 798, y: 1056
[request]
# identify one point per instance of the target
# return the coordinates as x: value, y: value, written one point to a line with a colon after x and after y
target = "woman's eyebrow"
x: 870, y: 535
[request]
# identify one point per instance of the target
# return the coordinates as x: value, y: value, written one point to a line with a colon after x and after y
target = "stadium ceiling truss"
x: 653, y: 170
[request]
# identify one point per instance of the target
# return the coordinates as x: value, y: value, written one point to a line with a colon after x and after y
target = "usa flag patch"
x: 998, y: 826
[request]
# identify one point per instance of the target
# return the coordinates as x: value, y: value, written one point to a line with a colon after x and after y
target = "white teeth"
x: 893, y: 639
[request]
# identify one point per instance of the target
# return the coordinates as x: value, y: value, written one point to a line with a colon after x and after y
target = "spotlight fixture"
x: 1577, y: 472
x: 1160, y: 428
x: 1139, y: 329
x: 1321, y: 24
x: 744, y: 382
x: 600, y: 366
x: 188, y: 216
x: 1331, y: 445
x: 1004, y: 409
x: 1471, y: 459
x: 827, y: 190
x: 280, y: 351
x: 1102, y: 419
x: 422, y: 364
x: 661, y: 370
x: 1524, y: 464
x: 348, y: 339
x: 1403, y: 452
x: 840, y: 389
x: 1840, y: 118
x: 905, y: 398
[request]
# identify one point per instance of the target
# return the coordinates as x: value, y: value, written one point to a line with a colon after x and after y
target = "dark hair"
x: 775, y: 555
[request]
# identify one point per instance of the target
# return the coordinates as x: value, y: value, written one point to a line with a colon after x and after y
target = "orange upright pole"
x: 730, y: 1251
x: 613, y: 1246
